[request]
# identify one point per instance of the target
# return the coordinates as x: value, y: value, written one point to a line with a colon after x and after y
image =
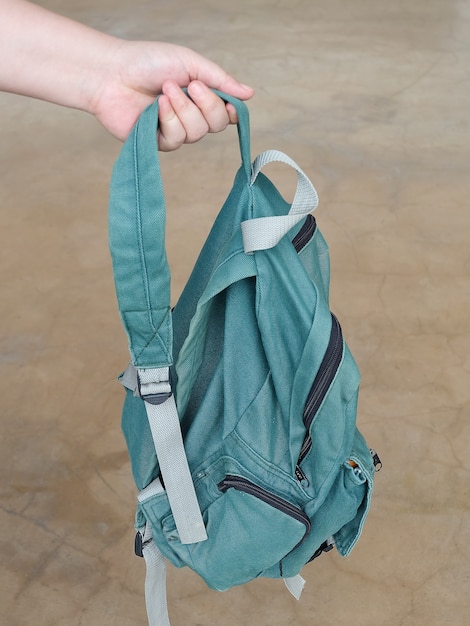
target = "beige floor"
x: 372, y: 98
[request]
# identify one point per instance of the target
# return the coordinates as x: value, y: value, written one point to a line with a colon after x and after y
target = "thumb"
x: 215, y: 77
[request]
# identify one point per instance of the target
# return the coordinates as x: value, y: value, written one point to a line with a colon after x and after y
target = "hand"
x: 140, y: 71
x: 48, y: 56
x: 186, y: 120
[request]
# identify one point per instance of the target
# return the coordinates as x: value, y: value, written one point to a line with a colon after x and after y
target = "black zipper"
x: 305, y: 233
x: 243, y: 484
x: 325, y: 375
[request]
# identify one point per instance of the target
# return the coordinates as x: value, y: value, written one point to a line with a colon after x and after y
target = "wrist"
x: 99, y: 73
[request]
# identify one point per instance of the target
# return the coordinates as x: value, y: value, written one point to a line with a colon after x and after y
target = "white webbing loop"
x: 168, y: 441
x: 262, y: 233
x: 155, y: 580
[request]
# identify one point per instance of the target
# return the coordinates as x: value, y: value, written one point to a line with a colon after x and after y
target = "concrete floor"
x: 372, y: 99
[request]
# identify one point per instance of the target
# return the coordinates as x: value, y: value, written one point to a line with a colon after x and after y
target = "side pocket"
x: 358, y: 483
x: 343, y: 511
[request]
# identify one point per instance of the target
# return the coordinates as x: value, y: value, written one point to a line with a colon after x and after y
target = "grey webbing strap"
x: 154, y: 387
x: 168, y: 440
x: 265, y: 232
x: 155, y: 580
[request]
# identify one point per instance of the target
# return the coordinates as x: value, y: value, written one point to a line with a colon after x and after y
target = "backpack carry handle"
x: 243, y: 128
x: 137, y: 217
x: 262, y: 233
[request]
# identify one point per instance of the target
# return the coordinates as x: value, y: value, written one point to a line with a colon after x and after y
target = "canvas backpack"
x: 240, y: 408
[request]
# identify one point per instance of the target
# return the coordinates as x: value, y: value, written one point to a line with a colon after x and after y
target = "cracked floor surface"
x: 372, y: 99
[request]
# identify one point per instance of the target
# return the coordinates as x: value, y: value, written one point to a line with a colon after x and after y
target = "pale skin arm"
x: 50, y: 57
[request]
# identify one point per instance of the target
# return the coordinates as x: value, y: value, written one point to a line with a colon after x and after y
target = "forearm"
x: 50, y: 57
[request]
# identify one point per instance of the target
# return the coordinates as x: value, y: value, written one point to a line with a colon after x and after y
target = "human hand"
x: 137, y: 72
x: 53, y: 58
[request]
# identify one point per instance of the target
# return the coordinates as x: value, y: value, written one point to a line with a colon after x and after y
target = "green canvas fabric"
x: 253, y: 347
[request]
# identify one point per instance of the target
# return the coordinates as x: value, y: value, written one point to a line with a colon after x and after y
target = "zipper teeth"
x: 325, y: 375
x: 305, y: 233
x: 305, y: 449
x: 242, y: 484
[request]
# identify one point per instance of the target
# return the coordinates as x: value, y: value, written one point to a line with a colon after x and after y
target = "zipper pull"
x: 376, y: 460
x: 299, y: 474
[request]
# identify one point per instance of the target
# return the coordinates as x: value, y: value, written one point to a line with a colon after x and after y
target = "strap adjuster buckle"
x: 156, y: 398
x: 154, y: 392
x: 139, y: 544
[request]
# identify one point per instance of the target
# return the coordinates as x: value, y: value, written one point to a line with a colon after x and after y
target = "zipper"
x: 305, y: 233
x: 325, y: 375
x: 243, y: 484
x: 376, y: 460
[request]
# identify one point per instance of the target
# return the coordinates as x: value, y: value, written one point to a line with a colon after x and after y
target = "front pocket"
x: 246, y: 486
x: 249, y: 531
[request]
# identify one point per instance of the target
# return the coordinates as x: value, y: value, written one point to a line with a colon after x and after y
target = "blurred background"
x: 372, y: 99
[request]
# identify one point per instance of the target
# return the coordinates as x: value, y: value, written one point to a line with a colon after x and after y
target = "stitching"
x: 157, y: 335
x: 144, y: 271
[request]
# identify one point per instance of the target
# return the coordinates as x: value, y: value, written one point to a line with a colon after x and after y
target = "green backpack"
x: 240, y: 409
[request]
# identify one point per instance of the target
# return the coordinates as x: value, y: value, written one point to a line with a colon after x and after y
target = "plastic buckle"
x: 155, y: 398
x: 139, y: 544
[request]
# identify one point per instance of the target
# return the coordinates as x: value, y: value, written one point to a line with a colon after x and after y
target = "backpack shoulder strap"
x: 142, y: 279
x: 137, y: 244
x: 137, y: 216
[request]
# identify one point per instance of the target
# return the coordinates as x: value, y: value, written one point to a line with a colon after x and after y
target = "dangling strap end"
x: 295, y: 585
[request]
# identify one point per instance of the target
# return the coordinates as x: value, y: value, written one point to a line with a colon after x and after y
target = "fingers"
x: 184, y: 119
x: 210, y: 106
x: 232, y: 113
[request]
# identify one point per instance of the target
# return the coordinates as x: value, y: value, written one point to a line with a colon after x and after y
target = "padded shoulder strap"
x: 137, y: 244
x: 137, y: 216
